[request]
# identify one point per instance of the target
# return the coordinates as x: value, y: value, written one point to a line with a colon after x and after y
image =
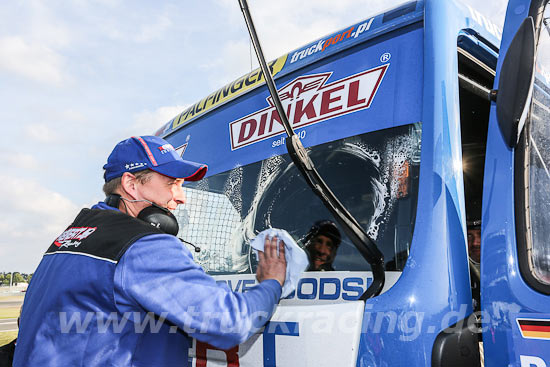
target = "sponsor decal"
x: 228, y: 92
x: 531, y: 361
x: 531, y: 339
x: 323, y: 44
x: 315, y: 288
x: 308, y: 100
x: 73, y: 236
x: 534, y: 328
x: 166, y: 148
x: 231, y: 355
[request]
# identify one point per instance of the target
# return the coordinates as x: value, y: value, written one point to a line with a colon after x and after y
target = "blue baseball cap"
x: 150, y: 152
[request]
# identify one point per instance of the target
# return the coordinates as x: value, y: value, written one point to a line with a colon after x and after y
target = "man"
x: 114, y: 290
x: 322, y: 242
x: 474, y: 240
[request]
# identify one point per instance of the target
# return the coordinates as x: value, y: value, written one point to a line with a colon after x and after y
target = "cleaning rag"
x: 296, y: 258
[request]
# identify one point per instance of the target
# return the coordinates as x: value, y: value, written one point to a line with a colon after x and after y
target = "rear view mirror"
x: 515, y: 85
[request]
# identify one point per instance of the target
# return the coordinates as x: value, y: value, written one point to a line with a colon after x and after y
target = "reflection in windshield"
x: 321, y: 244
x: 375, y: 175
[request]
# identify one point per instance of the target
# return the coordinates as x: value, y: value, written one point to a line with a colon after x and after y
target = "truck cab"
x: 402, y: 115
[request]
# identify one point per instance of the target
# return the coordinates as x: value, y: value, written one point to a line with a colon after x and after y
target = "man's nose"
x: 324, y: 252
x: 179, y: 195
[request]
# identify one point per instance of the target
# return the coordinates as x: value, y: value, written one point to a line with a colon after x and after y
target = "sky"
x: 79, y: 76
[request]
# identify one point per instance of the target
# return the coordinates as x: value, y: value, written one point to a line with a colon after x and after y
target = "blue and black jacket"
x: 114, y: 291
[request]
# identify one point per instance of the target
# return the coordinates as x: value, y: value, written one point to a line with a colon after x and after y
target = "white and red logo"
x: 166, y: 148
x: 308, y: 100
x: 73, y: 236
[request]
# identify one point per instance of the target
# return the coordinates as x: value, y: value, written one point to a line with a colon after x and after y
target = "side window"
x: 535, y: 156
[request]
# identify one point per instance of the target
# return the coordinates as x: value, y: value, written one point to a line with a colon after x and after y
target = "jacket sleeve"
x: 158, y: 274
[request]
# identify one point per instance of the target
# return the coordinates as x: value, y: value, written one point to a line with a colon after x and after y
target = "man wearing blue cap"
x: 114, y: 289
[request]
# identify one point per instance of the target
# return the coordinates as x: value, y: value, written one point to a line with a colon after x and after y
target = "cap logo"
x: 132, y: 166
x: 166, y: 148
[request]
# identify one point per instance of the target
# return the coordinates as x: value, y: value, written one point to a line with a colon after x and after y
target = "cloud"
x: 233, y: 62
x: 138, y: 28
x: 41, y: 133
x: 36, y: 216
x: 31, y: 60
x: 147, y: 122
x: 25, y: 161
x: 153, y: 31
x: 298, y: 23
x: 46, y: 26
x: 283, y: 26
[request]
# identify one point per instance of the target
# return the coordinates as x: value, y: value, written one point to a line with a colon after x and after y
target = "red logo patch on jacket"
x: 73, y: 236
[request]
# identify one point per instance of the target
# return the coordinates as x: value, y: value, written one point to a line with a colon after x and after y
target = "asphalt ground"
x: 9, y: 306
x: 6, y: 304
x: 8, y: 325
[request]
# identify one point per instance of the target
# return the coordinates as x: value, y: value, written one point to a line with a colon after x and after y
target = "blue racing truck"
x: 424, y: 122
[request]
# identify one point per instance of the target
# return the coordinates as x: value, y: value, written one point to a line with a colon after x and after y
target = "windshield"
x: 375, y: 175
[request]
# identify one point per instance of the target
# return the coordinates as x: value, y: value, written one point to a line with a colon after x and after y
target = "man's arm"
x: 158, y: 274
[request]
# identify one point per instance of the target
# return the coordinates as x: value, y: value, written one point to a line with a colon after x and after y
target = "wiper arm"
x: 364, y: 244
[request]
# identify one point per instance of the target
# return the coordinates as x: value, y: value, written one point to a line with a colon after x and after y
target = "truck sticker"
x: 534, y: 328
x: 531, y: 340
x: 308, y: 100
x: 323, y: 44
x: 316, y: 287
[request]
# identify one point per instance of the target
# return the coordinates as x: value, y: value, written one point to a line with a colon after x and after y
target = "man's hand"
x: 271, y: 265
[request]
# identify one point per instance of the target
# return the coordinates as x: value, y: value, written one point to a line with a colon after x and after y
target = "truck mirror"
x: 515, y: 85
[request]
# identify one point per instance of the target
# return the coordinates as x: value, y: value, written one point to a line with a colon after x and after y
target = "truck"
x: 422, y: 121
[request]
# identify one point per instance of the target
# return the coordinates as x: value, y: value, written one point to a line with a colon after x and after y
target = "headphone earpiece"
x: 113, y: 200
x: 160, y: 218
x: 155, y: 215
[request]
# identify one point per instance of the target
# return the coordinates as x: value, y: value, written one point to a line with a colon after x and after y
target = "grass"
x: 7, y: 336
x: 11, y: 298
x: 9, y: 313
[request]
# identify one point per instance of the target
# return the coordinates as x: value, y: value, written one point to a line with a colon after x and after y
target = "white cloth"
x: 296, y: 258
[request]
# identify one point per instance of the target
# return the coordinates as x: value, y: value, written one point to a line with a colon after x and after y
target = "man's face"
x: 474, y: 244
x: 161, y: 190
x: 323, y: 251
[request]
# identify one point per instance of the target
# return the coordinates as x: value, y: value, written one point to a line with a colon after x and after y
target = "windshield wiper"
x: 364, y: 244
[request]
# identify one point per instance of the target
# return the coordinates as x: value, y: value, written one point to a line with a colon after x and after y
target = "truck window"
x: 374, y: 174
x: 533, y: 174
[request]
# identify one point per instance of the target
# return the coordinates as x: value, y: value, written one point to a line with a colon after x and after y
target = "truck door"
x: 515, y: 248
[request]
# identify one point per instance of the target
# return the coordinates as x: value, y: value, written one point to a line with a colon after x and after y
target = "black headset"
x: 155, y: 215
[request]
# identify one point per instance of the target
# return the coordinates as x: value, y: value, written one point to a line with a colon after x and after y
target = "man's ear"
x: 128, y: 185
